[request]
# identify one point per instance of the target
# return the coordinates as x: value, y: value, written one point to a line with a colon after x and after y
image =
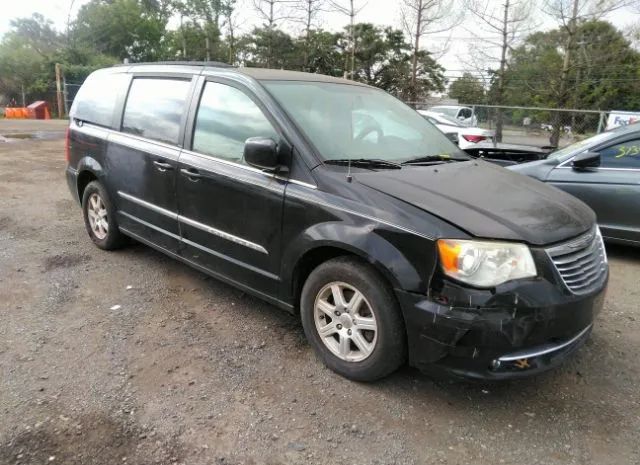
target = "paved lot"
x: 180, y: 368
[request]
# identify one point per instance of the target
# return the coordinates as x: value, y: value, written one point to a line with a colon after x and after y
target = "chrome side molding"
x: 193, y: 223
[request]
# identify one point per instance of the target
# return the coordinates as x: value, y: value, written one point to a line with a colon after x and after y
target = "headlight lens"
x: 485, y: 263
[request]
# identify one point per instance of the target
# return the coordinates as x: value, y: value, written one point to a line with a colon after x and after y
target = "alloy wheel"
x: 97, y: 214
x: 345, y: 321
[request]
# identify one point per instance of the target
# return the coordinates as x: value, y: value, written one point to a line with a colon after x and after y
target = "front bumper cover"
x: 524, y: 329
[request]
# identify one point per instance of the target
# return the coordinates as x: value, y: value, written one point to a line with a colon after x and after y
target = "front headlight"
x: 485, y: 263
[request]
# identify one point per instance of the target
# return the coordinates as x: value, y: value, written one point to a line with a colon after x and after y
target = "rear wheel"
x: 351, y: 318
x: 99, y: 217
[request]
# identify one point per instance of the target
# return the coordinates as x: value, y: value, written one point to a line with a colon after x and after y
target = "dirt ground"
x: 130, y: 357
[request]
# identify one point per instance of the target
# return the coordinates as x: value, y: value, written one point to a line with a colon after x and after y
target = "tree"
x: 309, y: 10
x: 467, y: 89
x: 266, y: 47
x: 25, y: 55
x: 272, y: 12
x: 568, y: 13
x: 420, y: 17
x: 384, y: 59
x: 351, y: 8
x: 506, y: 22
x: 604, y: 74
x: 131, y: 29
x: 324, y: 56
x: 205, y: 19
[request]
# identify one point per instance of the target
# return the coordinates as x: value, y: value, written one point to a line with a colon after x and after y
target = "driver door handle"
x: 192, y: 174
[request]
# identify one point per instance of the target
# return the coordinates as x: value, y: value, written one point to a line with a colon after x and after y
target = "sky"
x: 453, y: 47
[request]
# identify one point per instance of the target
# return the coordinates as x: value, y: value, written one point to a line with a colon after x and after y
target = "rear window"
x: 96, y: 99
x: 155, y: 107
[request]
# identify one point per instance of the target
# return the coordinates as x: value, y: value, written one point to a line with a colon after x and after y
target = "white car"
x: 463, y: 115
x: 467, y: 136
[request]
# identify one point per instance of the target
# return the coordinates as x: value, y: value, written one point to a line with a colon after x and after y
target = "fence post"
x: 65, y: 94
x: 59, y: 90
x: 601, y: 122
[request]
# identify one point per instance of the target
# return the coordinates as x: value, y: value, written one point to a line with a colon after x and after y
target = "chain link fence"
x: 50, y: 95
x: 540, y: 127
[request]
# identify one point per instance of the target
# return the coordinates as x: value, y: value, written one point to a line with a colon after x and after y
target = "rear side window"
x: 96, y: 99
x: 623, y: 155
x: 226, y: 118
x: 155, y: 107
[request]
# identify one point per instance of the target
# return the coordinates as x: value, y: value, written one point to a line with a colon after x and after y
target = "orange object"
x: 16, y: 113
x: 37, y: 110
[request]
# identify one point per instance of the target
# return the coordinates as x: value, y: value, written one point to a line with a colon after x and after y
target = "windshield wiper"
x: 430, y: 158
x: 365, y: 162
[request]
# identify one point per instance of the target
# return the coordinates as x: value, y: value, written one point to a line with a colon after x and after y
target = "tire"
x: 383, y: 350
x: 106, y: 234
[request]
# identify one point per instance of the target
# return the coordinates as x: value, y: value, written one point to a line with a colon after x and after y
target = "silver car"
x: 604, y: 172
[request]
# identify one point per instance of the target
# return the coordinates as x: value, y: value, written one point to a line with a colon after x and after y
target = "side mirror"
x: 261, y: 152
x: 586, y: 160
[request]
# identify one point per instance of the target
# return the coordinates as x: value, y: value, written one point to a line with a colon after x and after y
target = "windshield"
x: 451, y: 112
x: 354, y: 122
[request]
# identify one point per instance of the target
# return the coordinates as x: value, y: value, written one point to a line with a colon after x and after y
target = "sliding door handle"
x: 163, y: 166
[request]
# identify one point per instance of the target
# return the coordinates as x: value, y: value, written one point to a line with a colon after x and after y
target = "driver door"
x: 230, y: 213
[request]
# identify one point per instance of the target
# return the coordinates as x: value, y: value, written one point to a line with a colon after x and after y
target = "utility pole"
x: 59, y: 90
x: 23, y: 99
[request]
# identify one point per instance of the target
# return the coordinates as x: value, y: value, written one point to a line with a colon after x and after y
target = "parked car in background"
x: 338, y: 203
x: 507, y: 154
x: 463, y: 115
x: 604, y: 172
x: 467, y: 136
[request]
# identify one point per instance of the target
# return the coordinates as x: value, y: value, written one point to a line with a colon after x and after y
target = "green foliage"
x: 133, y: 29
x: 467, y: 89
x: 604, y: 73
x: 383, y: 59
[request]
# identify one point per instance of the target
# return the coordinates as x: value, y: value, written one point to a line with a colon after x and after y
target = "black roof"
x: 265, y: 74
x: 213, y: 64
x: 260, y: 74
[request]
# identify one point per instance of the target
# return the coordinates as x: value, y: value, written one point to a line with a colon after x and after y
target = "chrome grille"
x: 581, y: 262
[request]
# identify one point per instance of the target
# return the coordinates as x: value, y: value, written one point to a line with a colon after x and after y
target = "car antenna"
x: 349, y: 177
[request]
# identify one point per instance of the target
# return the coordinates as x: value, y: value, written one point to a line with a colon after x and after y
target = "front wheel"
x: 352, y: 319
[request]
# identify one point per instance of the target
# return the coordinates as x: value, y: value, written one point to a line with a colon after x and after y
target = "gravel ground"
x: 131, y: 357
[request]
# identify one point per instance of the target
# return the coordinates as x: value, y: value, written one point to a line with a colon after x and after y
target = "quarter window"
x: 623, y: 155
x: 154, y: 108
x: 96, y: 99
x: 226, y: 118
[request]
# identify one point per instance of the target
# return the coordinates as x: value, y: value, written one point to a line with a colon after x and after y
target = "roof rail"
x: 215, y: 64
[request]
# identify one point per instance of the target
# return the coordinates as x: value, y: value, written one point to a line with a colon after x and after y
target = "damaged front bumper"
x: 518, y: 330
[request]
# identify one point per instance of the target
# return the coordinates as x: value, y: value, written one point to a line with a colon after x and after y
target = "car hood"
x: 487, y: 201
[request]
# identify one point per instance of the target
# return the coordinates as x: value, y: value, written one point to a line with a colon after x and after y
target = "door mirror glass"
x: 261, y: 152
x: 586, y: 160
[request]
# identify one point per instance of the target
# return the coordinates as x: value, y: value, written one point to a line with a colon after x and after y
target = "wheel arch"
x: 324, y: 251
x: 88, y: 170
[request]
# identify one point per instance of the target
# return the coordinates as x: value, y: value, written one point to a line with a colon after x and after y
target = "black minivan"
x: 334, y: 200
